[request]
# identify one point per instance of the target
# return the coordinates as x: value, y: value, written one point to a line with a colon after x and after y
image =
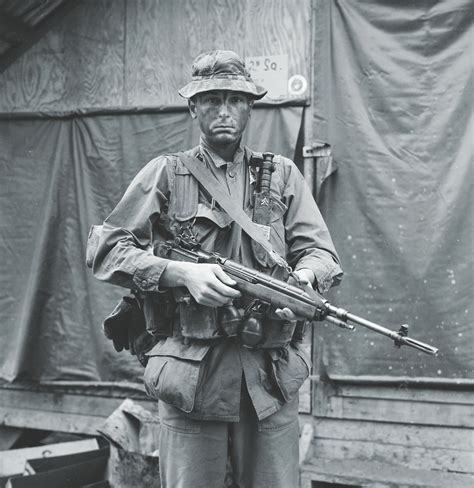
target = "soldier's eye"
x: 237, y: 99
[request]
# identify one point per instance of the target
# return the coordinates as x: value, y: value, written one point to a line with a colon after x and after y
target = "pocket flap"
x: 291, y: 371
x: 174, y: 347
x: 219, y: 217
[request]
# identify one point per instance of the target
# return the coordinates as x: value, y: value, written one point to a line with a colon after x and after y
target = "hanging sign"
x: 271, y: 72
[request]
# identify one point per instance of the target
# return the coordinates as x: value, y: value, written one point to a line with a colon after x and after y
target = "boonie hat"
x: 220, y: 70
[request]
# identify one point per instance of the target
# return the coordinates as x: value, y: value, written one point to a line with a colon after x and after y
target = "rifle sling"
x: 205, y: 177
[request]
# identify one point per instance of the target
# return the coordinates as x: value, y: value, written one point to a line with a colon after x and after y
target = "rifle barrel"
x: 398, y: 338
x: 421, y: 346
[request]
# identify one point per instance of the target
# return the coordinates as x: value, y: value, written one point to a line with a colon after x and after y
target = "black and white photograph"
x: 236, y: 244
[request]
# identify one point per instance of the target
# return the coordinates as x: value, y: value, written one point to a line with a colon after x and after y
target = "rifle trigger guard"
x: 255, y: 306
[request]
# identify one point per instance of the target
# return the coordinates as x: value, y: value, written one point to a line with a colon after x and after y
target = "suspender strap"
x: 207, y: 179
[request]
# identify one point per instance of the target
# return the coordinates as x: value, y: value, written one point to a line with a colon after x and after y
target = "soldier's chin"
x: 225, y: 138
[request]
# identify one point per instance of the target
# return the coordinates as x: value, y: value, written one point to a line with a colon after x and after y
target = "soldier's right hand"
x: 207, y: 283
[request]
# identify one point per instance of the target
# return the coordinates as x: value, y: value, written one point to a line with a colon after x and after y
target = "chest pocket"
x: 185, y: 195
x: 210, y: 224
x: 188, y: 206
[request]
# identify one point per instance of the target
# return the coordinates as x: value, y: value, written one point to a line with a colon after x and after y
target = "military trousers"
x: 260, y: 454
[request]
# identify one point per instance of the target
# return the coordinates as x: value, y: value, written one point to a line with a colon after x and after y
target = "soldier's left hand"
x: 306, y: 277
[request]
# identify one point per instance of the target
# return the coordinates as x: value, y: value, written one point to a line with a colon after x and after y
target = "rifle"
x: 303, y: 301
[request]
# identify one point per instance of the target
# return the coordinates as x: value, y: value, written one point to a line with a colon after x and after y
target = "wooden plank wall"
x: 74, y: 409
x: 419, y: 428
x: 390, y: 437
x: 120, y: 53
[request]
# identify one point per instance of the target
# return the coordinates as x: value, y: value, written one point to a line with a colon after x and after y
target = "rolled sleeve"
x: 147, y: 275
x: 308, y: 239
x: 124, y: 254
x: 327, y: 274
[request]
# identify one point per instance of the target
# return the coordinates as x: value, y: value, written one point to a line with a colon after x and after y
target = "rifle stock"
x: 302, y: 301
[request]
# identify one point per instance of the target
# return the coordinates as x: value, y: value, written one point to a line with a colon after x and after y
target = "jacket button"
x: 144, y: 283
x: 231, y: 174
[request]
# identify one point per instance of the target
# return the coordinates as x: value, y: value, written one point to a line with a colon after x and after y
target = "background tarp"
x: 59, y: 176
x: 394, y: 99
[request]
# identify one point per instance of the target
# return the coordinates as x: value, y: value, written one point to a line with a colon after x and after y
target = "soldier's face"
x: 222, y: 115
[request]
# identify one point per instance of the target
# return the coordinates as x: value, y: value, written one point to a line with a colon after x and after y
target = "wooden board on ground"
x: 13, y: 461
x: 8, y: 436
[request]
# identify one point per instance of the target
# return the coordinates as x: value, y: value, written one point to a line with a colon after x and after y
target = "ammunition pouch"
x: 194, y: 321
x: 277, y: 333
x: 197, y: 321
x: 159, y: 310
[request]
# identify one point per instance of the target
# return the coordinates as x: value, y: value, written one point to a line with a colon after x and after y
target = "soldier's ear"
x: 251, y: 101
x: 192, y: 108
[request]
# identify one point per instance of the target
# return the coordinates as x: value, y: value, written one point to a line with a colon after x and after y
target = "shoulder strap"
x: 199, y: 170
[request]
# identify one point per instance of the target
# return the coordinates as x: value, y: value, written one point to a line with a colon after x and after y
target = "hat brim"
x: 199, y: 86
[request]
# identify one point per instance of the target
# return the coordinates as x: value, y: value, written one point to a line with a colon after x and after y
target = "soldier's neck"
x: 226, y: 152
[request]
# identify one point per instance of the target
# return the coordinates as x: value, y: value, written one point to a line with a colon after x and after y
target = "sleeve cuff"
x: 147, y: 277
x: 327, y: 274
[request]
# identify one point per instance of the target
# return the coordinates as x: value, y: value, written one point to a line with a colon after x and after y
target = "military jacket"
x: 203, y: 378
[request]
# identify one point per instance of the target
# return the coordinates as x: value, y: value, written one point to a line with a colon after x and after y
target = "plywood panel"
x: 79, y: 63
x: 164, y: 37
x: 109, y: 53
x: 280, y: 27
x: 93, y: 49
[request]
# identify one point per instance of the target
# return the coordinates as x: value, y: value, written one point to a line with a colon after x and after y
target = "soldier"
x: 219, y: 397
